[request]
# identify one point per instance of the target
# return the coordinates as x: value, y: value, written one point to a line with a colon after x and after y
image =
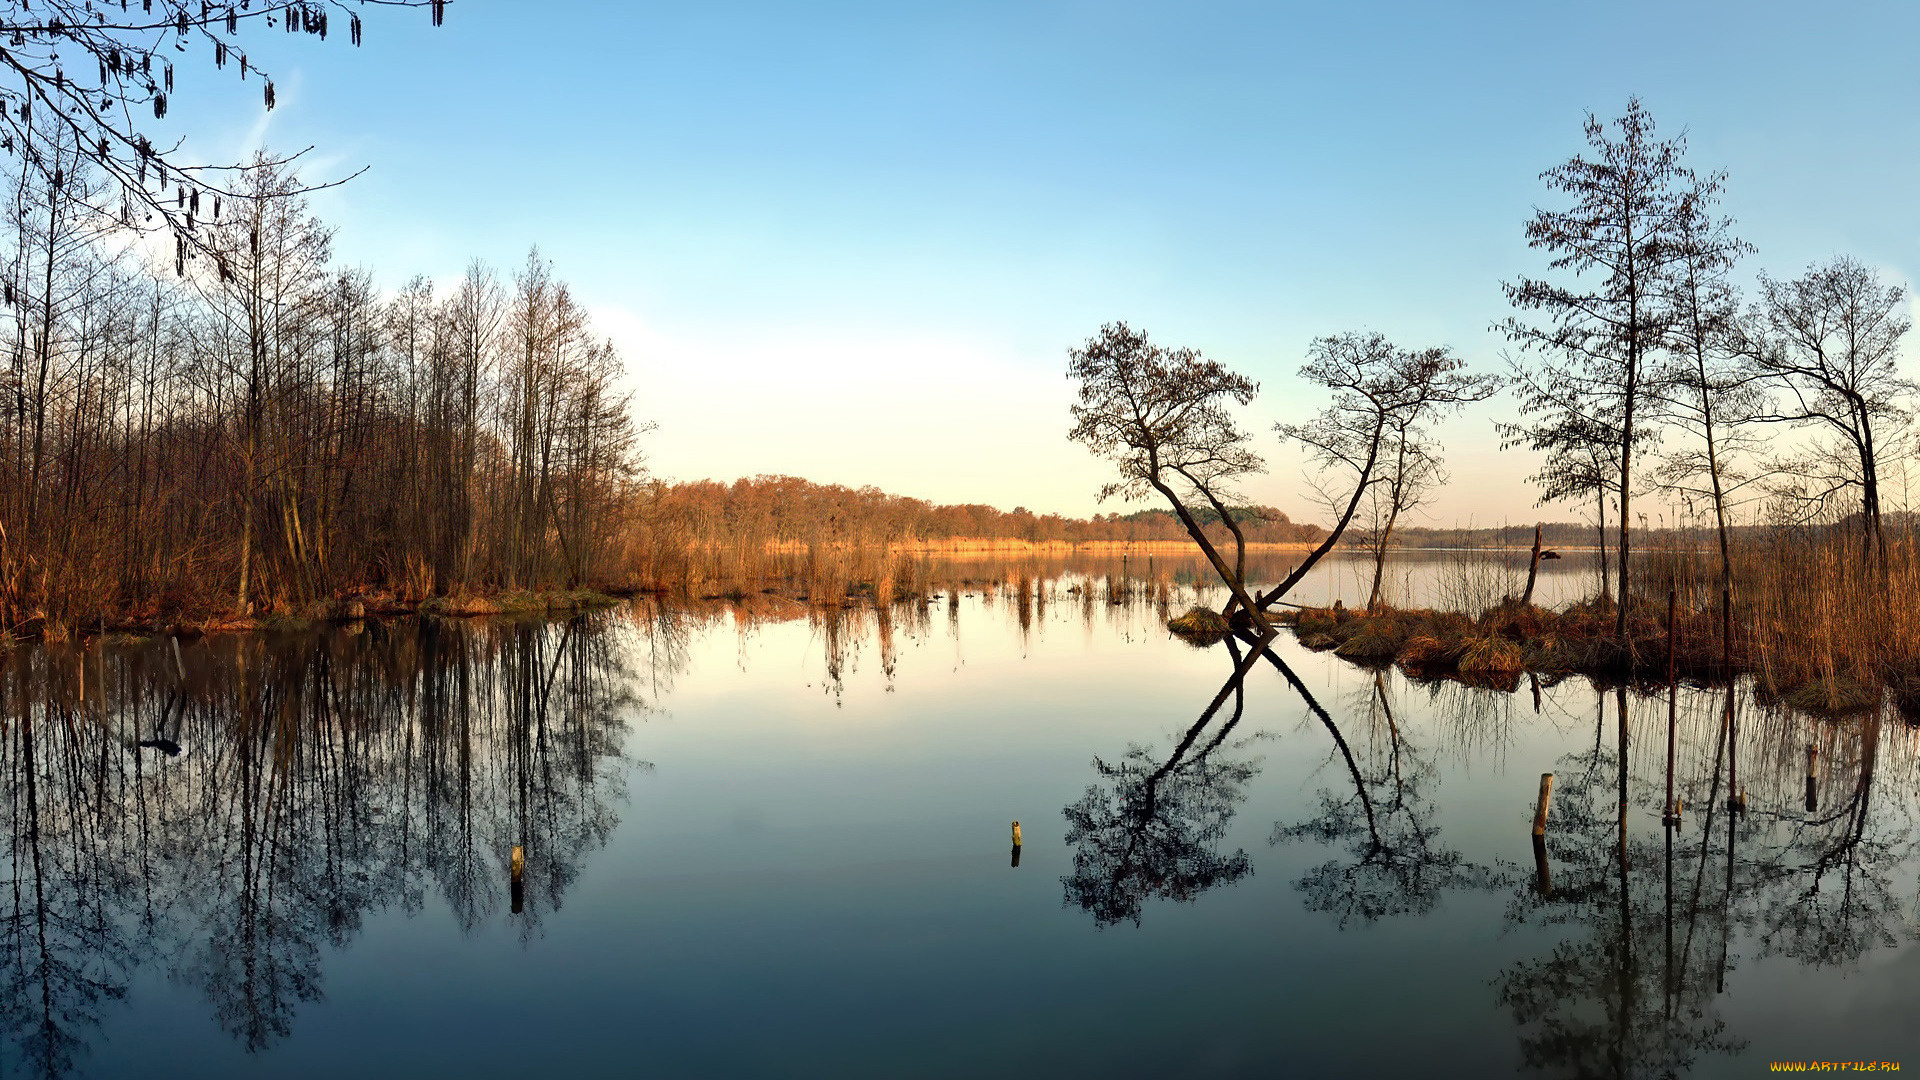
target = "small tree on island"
x: 1373, y: 431
x: 1579, y: 432
x: 1710, y: 387
x: 1162, y: 417
x: 1602, y: 325
x: 1413, y: 468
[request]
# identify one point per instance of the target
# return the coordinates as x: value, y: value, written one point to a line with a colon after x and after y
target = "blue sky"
x: 853, y: 241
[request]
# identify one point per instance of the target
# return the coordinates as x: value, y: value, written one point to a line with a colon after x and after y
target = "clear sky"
x: 853, y: 241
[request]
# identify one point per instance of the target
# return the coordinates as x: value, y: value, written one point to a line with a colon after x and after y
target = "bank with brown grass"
x: 1500, y: 645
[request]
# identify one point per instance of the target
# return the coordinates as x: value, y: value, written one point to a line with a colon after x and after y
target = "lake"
x: 763, y: 840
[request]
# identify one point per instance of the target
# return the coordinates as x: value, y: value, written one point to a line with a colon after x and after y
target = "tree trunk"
x: 1234, y: 584
x: 1626, y: 514
x: 1380, y: 555
x: 1719, y: 514
x: 1605, y: 580
x: 1267, y: 599
x: 1533, y: 569
x: 1397, y: 493
x: 1876, y: 540
x: 1239, y: 541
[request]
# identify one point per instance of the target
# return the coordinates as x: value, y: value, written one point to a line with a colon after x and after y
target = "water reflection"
x: 1614, y: 997
x: 1394, y: 863
x: 1659, y: 921
x: 1641, y: 924
x: 230, y: 818
x: 1151, y: 828
x: 317, y: 779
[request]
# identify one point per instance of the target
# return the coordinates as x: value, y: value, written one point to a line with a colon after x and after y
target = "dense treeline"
x: 818, y: 540
x: 262, y: 429
x: 790, y: 510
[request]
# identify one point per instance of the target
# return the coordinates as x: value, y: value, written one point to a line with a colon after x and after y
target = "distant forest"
x: 790, y: 510
x: 771, y: 509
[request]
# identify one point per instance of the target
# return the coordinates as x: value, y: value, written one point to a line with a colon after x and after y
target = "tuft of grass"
x: 1834, y: 696
x: 1376, y: 638
x: 1201, y: 625
x: 1494, y: 658
x: 1517, y: 622
x: 1425, y: 654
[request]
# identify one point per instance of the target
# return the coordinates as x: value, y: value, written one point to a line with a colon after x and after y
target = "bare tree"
x: 1161, y: 417
x: 470, y: 326
x: 1601, y: 329
x: 1708, y: 387
x: 1413, y: 469
x: 1581, y: 440
x: 1381, y: 392
x: 270, y: 434
x: 1408, y: 476
x: 1829, y: 342
x: 92, y: 71
x: 270, y: 256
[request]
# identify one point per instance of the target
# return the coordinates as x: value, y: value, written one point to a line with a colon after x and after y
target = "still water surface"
x: 763, y: 842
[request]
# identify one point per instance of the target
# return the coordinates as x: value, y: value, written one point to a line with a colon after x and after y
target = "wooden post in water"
x: 519, y: 871
x: 1546, y: 800
x: 1670, y: 813
x: 1544, y: 880
x: 1533, y: 569
x: 1016, y: 845
x: 1813, y: 777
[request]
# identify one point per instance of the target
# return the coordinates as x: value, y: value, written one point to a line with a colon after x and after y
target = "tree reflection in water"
x: 1625, y: 995
x: 1662, y: 920
x: 1152, y: 828
x: 1395, y: 863
x: 322, y: 777
x: 1647, y: 922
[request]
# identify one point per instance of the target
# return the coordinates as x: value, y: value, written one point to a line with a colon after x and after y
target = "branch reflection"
x: 1395, y: 863
x: 1152, y: 828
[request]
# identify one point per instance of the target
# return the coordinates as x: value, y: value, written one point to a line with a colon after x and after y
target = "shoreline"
x: 366, y: 601
x: 353, y: 608
x: 1506, y: 642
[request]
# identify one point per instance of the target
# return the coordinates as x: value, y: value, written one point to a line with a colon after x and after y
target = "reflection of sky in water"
x: 741, y: 866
